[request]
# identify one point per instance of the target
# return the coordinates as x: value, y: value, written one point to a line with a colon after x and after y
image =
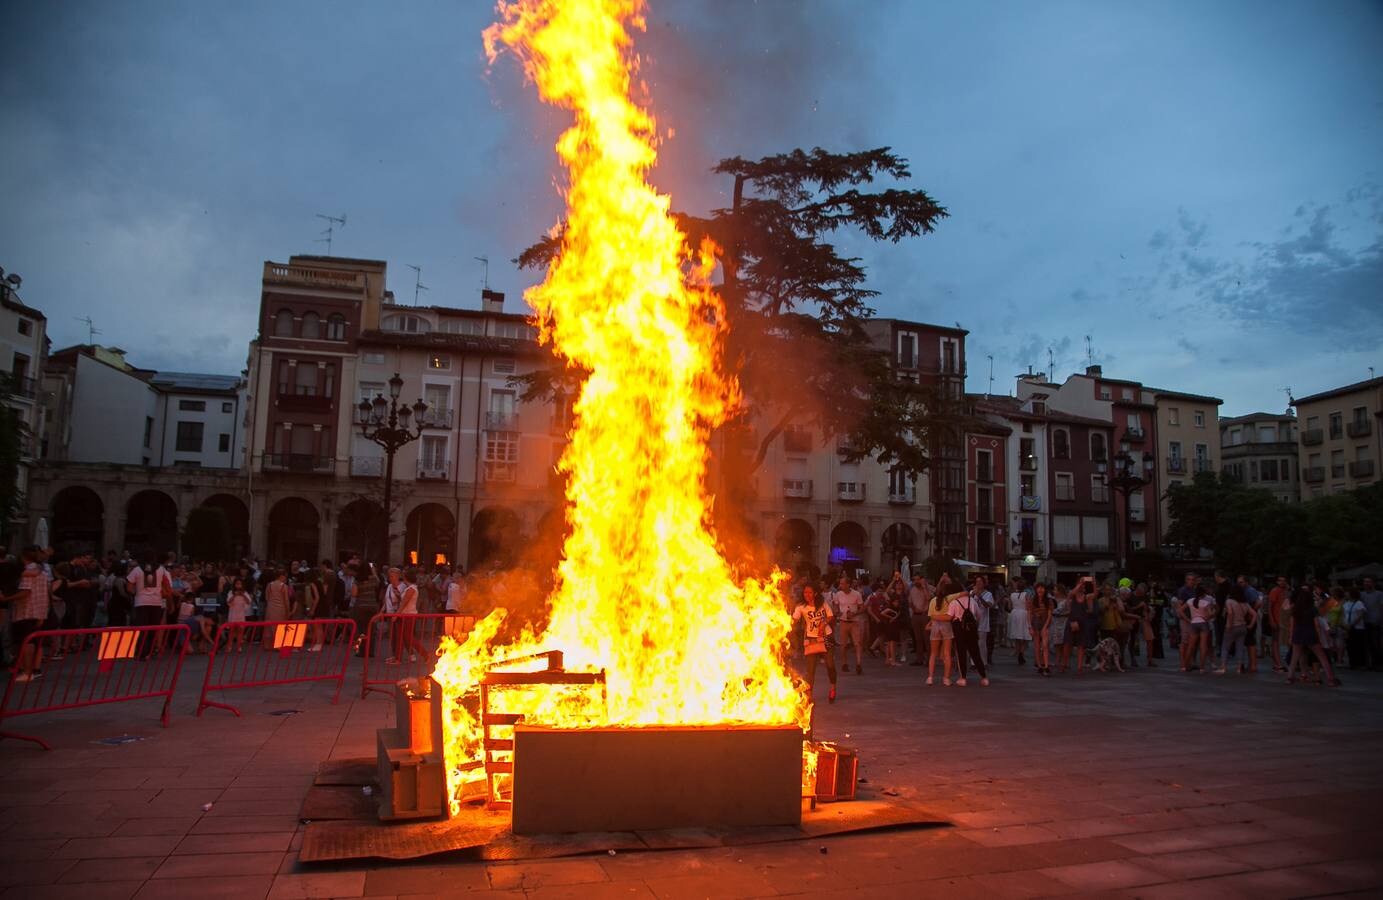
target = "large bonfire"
x: 642, y: 591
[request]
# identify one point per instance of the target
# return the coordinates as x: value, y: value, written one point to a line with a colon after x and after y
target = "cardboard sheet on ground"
x: 347, y: 830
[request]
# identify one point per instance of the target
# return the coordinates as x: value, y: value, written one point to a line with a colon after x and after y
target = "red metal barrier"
x: 257, y: 654
x: 105, y: 665
x: 409, y: 647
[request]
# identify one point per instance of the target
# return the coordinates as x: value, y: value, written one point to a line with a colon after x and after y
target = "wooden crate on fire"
x: 833, y: 771
x: 412, y: 769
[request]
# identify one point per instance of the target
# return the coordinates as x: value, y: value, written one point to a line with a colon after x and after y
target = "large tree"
x: 797, y: 306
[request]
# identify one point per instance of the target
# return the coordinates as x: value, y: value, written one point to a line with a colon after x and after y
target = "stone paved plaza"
x: 1150, y: 784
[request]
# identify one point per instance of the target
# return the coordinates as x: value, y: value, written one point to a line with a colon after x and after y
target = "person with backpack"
x: 1353, y: 620
x: 965, y: 609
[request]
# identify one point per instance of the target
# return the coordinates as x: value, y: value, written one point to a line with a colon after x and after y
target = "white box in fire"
x: 653, y: 778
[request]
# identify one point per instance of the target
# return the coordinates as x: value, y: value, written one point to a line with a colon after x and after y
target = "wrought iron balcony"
x: 438, y: 418
x: 1176, y: 465
x: 303, y: 463
x: 1361, y: 468
x: 433, y: 470
x: 501, y: 421
x: 850, y: 491
x: 1359, y: 428
x: 1312, y: 436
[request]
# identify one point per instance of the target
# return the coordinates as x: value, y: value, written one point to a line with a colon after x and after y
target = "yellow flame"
x: 642, y: 590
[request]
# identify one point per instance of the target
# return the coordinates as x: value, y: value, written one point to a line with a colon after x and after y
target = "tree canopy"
x: 1250, y: 531
x: 797, y: 307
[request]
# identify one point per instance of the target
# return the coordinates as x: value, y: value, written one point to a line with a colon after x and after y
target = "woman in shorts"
x: 1306, y: 638
x: 939, y: 632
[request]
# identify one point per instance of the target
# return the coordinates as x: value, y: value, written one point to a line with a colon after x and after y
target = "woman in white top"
x: 402, y: 598
x: 238, y: 604
x: 1018, y: 619
x: 148, y: 582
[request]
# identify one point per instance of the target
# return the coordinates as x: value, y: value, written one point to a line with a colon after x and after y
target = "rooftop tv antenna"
x: 333, y: 223
x: 1051, y: 365
x: 1089, y: 351
x: 485, y: 261
x: 417, y: 282
x: 1291, y: 401
x: 91, y: 329
x: 990, y: 389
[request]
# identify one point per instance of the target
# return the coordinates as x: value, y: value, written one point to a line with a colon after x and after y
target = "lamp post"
x: 1128, y: 477
x: 387, y: 423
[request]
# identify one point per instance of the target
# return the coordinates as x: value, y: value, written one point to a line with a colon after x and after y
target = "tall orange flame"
x: 642, y: 590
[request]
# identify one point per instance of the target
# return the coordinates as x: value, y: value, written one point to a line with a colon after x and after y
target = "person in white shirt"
x: 816, y: 617
x: 456, y: 591
x: 851, y: 619
x: 966, y: 610
x: 402, y: 598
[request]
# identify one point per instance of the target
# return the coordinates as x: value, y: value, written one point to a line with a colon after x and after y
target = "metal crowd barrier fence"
x: 408, y: 644
x: 260, y: 654
x: 91, y: 666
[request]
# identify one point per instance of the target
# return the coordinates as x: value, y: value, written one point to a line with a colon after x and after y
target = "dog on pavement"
x: 1107, y: 655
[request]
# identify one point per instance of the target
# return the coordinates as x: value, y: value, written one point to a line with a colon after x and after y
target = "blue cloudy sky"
x: 1196, y: 186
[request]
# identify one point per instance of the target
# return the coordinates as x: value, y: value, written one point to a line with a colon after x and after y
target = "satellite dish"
x: 14, y: 279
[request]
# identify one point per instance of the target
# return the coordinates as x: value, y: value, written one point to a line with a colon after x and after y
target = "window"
x: 25, y: 326
x: 223, y: 443
x: 907, y: 349
x: 439, y: 361
x: 1094, y: 532
x: 984, y: 545
x: 1027, y: 528
x: 504, y: 367
x: 1027, y: 484
x: 1099, y: 449
x: 312, y: 326
x: 1061, y: 444
x: 283, y: 323
x: 336, y: 327
x: 1173, y: 415
x: 192, y: 406
x: 1253, y: 470
x: 408, y: 324
x: 1198, y: 418
x: 227, y: 407
x: 1337, y: 425
x: 1126, y: 394
x: 1337, y: 464
x: 148, y: 431
x: 372, y: 358
x: 437, y: 397
x: 950, y: 362
x: 369, y: 390
x: 1313, y: 422
x: 501, y: 447
x: 1267, y: 434
x: 1361, y: 415
x: 1135, y: 423
x: 1027, y: 454
x: 189, y: 437
x: 1105, y: 394
x: 515, y: 331
x: 1065, y: 486
x: 432, y: 453
x: 984, y: 505
x: 305, y: 380
x: 984, y: 465
x: 1066, y: 531
x: 899, y: 485
x: 1236, y: 436
x: 463, y: 326
x: 1267, y: 470
x: 1099, y: 491
x: 1174, y: 450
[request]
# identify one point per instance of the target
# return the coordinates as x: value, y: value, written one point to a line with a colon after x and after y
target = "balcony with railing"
x: 301, y: 463
x: 797, y: 488
x: 1313, y: 474
x: 1361, y: 468
x: 1337, y: 470
x: 300, y: 398
x: 433, y: 469
x: 1031, y: 546
x: 367, y: 466
x: 23, y: 387
x: 1176, y: 465
x: 1359, y: 428
x: 438, y: 418
x: 1203, y: 465
x: 501, y: 421
x: 304, y: 276
x: 1310, y: 437
x: 905, y: 496
x: 1135, y: 435
x: 1099, y: 493
x: 501, y: 471
x: 850, y: 491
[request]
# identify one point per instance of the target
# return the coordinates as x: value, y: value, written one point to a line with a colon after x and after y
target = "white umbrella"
x: 41, y: 532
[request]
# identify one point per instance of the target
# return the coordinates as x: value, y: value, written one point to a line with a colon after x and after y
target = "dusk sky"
x: 1196, y: 186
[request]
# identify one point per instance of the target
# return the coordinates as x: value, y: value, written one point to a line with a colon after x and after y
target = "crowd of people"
x: 42, y: 591
x: 1304, y: 631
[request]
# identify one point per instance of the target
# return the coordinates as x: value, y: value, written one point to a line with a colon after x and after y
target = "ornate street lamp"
x: 387, y: 423
x: 1128, y: 477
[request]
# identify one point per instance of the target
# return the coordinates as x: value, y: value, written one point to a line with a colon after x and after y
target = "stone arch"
x: 237, y: 516
x: 849, y: 541
x: 294, y: 530
x: 361, y: 530
x: 794, y: 545
x: 496, y: 538
x: 78, y: 521
x: 151, y: 523
x: 430, y: 532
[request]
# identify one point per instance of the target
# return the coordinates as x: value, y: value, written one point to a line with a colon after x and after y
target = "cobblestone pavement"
x: 1149, y: 784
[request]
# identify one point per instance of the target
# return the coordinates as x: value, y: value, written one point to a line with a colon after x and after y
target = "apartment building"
x: 1028, y: 480
x: 987, y: 491
x: 23, y: 350
x: 1260, y: 450
x: 1187, y: 443
x: 1339, y: 445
